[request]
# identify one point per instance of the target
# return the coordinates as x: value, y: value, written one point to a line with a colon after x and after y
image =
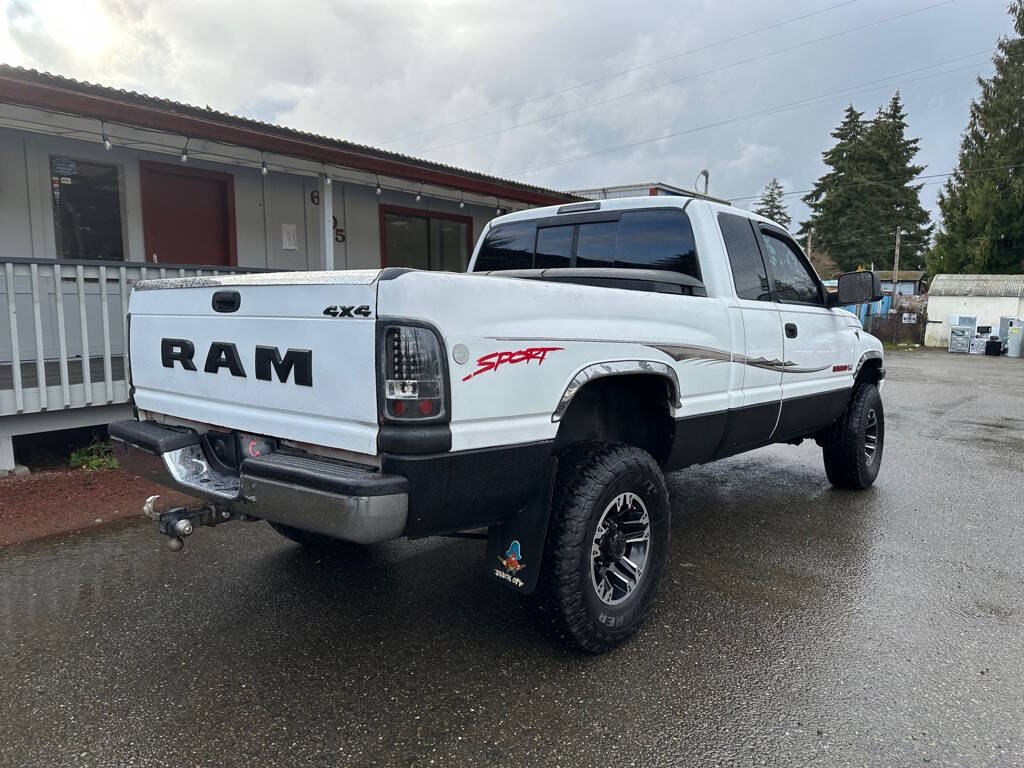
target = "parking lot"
x: 796, y: 625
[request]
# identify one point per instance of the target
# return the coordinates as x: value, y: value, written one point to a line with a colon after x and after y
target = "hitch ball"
x: 174, y: 543
x: 183, y: 528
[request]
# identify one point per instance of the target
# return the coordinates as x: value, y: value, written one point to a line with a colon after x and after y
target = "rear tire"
x: 310, y: 539
x: 852, y: 447
x: 607, y: 543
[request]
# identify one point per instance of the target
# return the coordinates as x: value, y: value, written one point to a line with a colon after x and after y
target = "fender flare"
x: 871, y: 354
x: 617, y: 368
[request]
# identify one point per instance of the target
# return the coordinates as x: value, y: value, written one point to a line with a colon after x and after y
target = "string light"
x: 264, y: 169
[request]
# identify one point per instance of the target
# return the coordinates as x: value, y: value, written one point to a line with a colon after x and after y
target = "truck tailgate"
x: 295, y: 360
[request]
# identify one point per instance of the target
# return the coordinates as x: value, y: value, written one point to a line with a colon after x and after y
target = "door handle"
x: 791, y: 330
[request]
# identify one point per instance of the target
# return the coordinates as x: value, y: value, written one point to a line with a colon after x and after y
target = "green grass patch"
x: 95, y: 456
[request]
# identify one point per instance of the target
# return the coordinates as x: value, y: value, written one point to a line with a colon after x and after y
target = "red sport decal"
x: 495, y: 360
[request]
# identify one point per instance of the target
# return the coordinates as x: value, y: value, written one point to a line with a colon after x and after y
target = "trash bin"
x: 994, y: 347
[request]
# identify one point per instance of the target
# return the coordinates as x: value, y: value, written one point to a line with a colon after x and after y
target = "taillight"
x: 413, y: 374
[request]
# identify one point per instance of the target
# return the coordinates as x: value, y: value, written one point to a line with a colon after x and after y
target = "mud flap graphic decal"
x: 514, y: 547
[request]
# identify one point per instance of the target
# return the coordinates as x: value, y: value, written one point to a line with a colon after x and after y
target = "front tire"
x: 852, y: 447
x: 607, y: 542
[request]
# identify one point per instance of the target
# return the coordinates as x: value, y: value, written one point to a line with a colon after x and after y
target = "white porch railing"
x: 62, y: 330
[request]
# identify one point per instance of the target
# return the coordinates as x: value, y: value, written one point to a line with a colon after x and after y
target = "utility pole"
x: 895, y: 284
x: 895, y: 267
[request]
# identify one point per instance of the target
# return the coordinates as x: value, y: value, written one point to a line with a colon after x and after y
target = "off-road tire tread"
x: 584, y: 471
x: 841, y: 446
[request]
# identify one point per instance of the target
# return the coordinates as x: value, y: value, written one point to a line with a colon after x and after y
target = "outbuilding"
x: 986, y: 297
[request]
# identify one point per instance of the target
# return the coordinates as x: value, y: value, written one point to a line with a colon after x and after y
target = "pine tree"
x: 857, y: 205
x: 982, y: 203
x: 839, y: 216
x: 772, y: 206
x: 894, y: 200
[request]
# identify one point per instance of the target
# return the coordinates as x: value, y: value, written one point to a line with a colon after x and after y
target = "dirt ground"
x: 54, y: 501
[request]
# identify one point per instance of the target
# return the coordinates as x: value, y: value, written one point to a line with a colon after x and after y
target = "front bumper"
x: 334, y: 498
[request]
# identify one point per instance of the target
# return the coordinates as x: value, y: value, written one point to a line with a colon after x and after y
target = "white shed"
x: 988, y: 297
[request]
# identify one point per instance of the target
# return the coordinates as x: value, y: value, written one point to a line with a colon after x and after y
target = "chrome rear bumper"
x: 308, y: 492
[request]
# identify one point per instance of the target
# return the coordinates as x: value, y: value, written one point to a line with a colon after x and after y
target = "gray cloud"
x: 374, y: 71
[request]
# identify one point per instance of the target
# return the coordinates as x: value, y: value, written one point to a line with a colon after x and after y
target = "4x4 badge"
x: 340, y: 311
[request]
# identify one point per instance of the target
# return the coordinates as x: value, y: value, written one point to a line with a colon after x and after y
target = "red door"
x: 188, y: 215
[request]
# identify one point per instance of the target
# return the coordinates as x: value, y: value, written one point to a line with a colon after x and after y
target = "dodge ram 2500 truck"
x: 541, y: 396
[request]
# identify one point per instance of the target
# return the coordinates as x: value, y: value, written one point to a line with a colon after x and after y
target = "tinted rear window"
x: 656, y: 240
x: 554, y: 247
x: 595, y: 246
x: 643, y: 239
x: 507, y: 247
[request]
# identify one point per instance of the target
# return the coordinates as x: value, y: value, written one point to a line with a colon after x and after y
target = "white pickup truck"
x: 589, y: 348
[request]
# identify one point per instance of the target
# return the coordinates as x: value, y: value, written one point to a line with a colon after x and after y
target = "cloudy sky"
x: 566, y: 95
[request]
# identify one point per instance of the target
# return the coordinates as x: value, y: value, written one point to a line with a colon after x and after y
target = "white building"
x: 987, y: 297
x: 101, y: 187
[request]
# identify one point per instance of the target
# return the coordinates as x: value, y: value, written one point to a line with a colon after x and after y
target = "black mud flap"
x: 514, y: 548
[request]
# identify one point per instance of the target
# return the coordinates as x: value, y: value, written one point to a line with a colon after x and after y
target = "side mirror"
x: 858, y: 288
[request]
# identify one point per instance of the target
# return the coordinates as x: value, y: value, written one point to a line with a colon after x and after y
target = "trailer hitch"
x: 179, y: 522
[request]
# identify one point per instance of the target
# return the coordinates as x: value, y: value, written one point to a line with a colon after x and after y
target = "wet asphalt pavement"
x: 796, y: 625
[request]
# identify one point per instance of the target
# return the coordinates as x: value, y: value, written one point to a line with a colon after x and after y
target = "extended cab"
x: 541, y: 396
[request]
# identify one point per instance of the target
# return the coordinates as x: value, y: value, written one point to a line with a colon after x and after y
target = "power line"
x: 884, y: 181
x: 677, y: 81
x: 799, y: 103
x: 636, y: 68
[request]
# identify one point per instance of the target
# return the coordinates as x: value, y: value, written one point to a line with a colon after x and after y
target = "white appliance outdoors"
x: 964, y: 321
x: 1015, y: 340
x: 960, y: 338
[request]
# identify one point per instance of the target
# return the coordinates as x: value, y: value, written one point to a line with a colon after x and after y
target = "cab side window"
x: 748, y: 270
x: 794, y: 282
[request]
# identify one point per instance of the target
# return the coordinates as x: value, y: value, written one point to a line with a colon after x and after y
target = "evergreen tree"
x: 982, y: 203
x: 857, y: 205
x: 839, y: 217
x: 772, y: 206
x: 895, y: 202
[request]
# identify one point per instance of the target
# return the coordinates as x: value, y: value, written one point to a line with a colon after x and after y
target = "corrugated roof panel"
x: 132, y: 97
x: 977, y: 285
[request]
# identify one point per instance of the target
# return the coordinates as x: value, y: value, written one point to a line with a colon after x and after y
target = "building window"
x: 424, y: 239
x: 86, y: 209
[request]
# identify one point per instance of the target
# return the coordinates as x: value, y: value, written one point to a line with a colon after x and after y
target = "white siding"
x: 16, y: 238
x: 262, y: 205
x: 988, y: 310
